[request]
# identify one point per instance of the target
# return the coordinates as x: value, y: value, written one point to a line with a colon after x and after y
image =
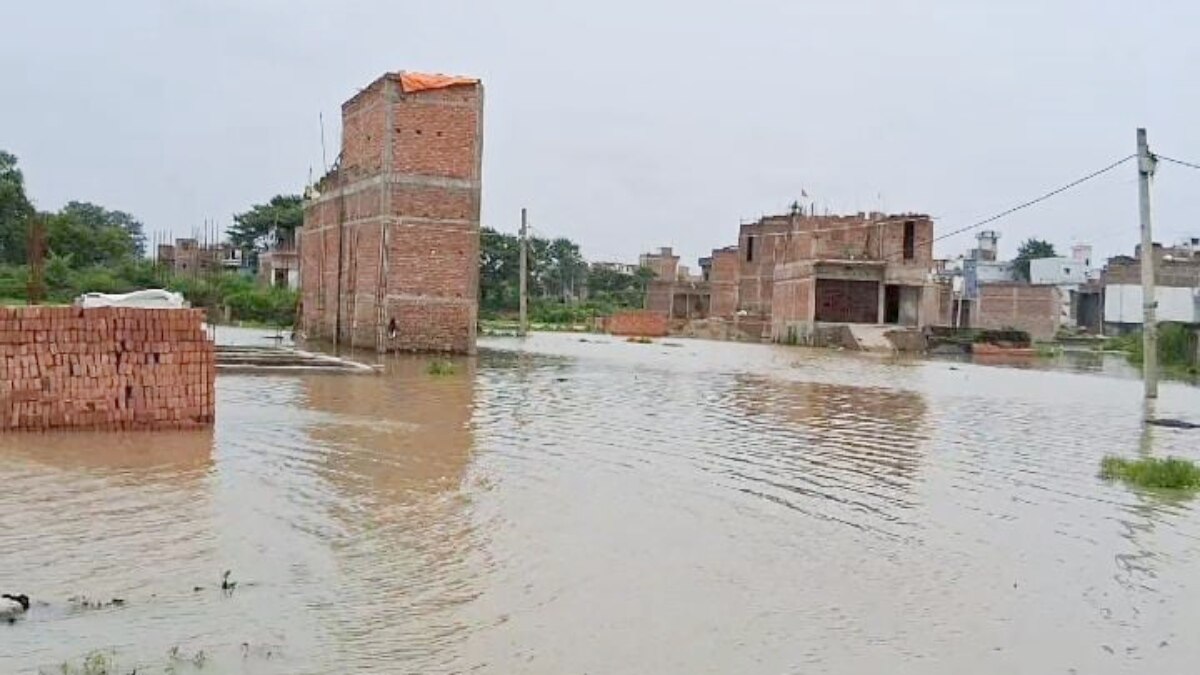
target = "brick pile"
x: 638, y: 323
x: 105, y: 368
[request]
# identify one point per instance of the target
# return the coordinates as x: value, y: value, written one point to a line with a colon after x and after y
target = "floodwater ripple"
x: 560, y: 505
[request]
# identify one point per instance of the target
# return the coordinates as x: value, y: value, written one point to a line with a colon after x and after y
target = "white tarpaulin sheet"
x: 155, y: 298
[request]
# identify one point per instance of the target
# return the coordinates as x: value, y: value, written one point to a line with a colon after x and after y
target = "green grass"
x: 502, y: 327
x: 1047, y: 350
x: 440, y: 367
x: 1171, y: 473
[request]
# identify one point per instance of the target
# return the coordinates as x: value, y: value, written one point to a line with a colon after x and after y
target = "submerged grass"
x: 441, y: 367
x: 1172, y: 473
x: 1176, y: 348
x: 1047, y: 351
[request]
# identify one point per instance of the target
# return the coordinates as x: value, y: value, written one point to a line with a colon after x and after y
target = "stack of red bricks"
x: 638, y: 323
x: 105, y: 368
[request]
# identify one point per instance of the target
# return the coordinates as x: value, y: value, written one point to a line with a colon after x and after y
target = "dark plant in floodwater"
x: 84, y: 602
x: 13, y: 606
x: 1171, y: 473
x: 1176, y: 347
x: 441, y: 367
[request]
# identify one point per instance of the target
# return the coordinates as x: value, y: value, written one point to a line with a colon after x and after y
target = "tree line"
x: 563, y: 287
x: 90, y: 248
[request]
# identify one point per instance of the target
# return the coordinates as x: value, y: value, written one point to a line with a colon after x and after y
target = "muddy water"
x: 569, y: 507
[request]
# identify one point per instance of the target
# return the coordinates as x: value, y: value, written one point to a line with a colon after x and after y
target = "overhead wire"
x: 858, y: 224
x: 1036, y: 200
x: 1023, y: 205
x: 1180, y: 162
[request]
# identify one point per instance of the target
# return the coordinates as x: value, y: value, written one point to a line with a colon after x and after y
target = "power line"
x: 1036, y: 200
x: 1007, y: 212
x: 1023, y: 205
x: 1180, y: 162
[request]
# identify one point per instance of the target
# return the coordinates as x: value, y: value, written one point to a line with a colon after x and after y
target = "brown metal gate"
x: 844, y: 301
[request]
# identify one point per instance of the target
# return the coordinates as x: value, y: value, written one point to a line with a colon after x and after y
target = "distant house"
x: 1079, y: 298
x: 279, y: 266
x: 1177, y: 287
x: 619, y: 267
x: 664, y: 263
x: 188, y: 257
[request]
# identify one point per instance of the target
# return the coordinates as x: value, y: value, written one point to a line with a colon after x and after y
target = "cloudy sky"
x: 627, y: 125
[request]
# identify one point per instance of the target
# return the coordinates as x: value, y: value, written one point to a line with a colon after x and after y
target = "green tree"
x: 1030, y: 250
x: 86, y: 235
x: 15, y: 211
x: 499, y: 263
x: 276, y: 221
x: 558, y: 277
x: 618, y: 288
x: 564, y: 270
x: 100, y: 219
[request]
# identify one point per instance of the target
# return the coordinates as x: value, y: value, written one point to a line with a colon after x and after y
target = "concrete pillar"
x: 879, y: 318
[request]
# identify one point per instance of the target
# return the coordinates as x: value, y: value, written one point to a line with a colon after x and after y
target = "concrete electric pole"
x: 524, y: 325
x: 1146, y: 162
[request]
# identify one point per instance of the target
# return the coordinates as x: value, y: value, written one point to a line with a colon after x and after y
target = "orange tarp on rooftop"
x: 411, y: 82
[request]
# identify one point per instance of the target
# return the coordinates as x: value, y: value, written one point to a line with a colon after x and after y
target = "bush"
x: 14, y: 281
x: 1175, y: 346
x: 1170, y: 473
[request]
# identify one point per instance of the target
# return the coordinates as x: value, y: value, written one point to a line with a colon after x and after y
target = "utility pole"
x: 1146, y: 162
x: 524, y: 325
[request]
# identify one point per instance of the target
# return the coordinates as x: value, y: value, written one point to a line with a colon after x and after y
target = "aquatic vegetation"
x: 441, y: 367
x: 1176, y: 348
x: 1171, y: 473
x: 1047, y: 351
x: 98, y: 662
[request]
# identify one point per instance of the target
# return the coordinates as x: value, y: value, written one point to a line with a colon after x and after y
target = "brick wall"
x: 659, y: 295
x: 664, y: 264
x: 104, y: 368
x: 643, y: 323
x: 792, y: 303
x: 1033, y: 309
x: 389, y: 251
x: 861, y: 237
x: 761, y: 245
x: 723, y: 280
x: 778, y: 240
x: 1173, y: 273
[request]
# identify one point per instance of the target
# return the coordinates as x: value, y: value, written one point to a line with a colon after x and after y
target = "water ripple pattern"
x: 582, y: 504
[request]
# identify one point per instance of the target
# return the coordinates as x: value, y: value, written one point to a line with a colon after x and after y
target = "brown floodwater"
x: 585, y: 505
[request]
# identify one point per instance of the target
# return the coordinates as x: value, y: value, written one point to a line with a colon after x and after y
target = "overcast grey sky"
x: 627, y: 125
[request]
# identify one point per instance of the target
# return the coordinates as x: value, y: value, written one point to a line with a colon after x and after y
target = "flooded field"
x: 586, y: 505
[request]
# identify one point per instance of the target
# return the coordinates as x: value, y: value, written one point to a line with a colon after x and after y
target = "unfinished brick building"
x: 390, y: 244
x: 791, y: 272
x: 864, y: 268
